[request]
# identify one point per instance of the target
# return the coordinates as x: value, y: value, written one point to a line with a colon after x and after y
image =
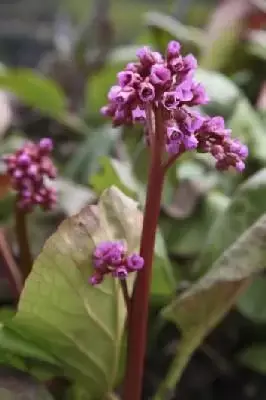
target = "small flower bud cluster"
x: 168, y: 83
x: 29, y: 169
x: 112, y: 258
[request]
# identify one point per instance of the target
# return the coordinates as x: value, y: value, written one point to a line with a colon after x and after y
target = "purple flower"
x: 125, y: 78
x: 113, y: 92
x: 146, y: 92
x: 199, y: 94
x: 160, y: 74
x: 96, y: 279
x: 189, y: 63
x: 170, y: 100
x: 46, y: 146
x: 190, y: 142
x: 173, y: 49
x: 173, y: 132
x: 23, y: 160
x: 145, y: 56
x: 176, y: 64
x: 124, y: 95
x: 120, y: 272
x: 135, y: 262
x: 138, y: 115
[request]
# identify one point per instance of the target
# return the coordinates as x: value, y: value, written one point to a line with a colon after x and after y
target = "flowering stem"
x: 23, y: 242
x: 11, y: 269
x: 125, y: 294
x: 140, y: 300
x: 171, y: 161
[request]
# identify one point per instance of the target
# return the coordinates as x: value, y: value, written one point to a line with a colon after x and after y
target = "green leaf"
x: 186, y: 236
x: 85, y: 160
x: 201, y: 307
x: 73, y: 197
x: 247, y: 125
x: 165, y: 28
x: 163, y: 279
x: 35, y: 90
x: 79, y: 325
x: 117, y: 173
x: 252, y: 303
x: 254, y: 357
x: 245, y: 207
x: 19, y: 352
x: 223, y: 36
x: 100, y: 83
x: 257, y: 44
x: 222, y: 91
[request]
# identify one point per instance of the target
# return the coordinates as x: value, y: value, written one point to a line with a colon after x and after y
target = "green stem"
x: 23, y: 242
x: 184, y: 352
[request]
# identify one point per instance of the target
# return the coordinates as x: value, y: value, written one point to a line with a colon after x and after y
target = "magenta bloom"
x: 112, y: 258
x: 30, y: 168
x: 168, y: 83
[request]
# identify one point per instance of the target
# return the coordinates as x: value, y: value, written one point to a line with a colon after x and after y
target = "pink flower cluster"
x: 29, y: 168
x: 112, y: 258
x: 168, y: 83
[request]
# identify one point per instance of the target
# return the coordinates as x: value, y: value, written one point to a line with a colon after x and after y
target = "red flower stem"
x: 12, y: 271
x: 139, y: 306
x: 171, y: 160
x: 23, y: 242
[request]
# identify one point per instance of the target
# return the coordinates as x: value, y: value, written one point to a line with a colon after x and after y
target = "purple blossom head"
x: 168, y: 83
x: 112, y: 258
x: 30, y: 169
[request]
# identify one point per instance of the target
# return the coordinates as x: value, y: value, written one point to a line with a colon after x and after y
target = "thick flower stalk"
x: 30, y: 168
x: 162, y: 94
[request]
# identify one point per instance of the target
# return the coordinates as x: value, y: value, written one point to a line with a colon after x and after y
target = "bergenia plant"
x: 30, y: 169
x: 104, y: 254
x: 161, y: 93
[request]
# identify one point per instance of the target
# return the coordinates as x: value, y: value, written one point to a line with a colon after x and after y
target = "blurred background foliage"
x: 58, y: 60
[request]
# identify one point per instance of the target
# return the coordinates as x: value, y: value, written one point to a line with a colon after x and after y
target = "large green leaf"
x: 223, y: 36
x: 252, y: 303
x: 85, y: 161
x: 245, y: 207
x: 222, y: 91
x: 247, y: 125
x: 35, y: 90
x: 254, y: 357
x: 114, y: 172
x: 100, y: 83
x: 80, y: 326
x: 186, y: 236
x: 165, y: 28
x: 202, y: 306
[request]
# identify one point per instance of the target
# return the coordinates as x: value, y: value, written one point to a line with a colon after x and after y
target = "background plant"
x: 198, y: 204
